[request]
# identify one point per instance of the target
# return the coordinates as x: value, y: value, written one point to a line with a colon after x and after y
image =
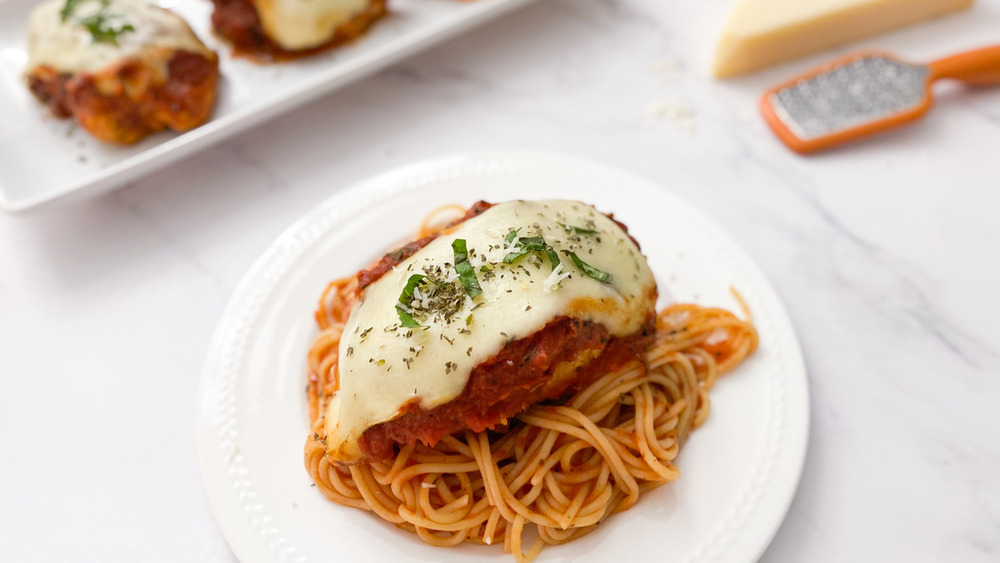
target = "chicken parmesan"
x: 277, y: 30
x: 123, y: 68
x: 508, y: 370
x: 510, y: 307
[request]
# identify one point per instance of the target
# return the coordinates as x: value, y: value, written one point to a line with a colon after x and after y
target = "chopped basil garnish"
x: 575, y: 229
x: 68, y: 8
x: 511, y: 236
x: 591, y: 271
x: 101, y: 30
x: 552, y: 256
x: 466, y: 274
x: 403, y: 305
x: 527, y: 245
x: 99, y: 24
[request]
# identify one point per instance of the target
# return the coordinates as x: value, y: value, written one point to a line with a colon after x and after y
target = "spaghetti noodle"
x: 559, y: 468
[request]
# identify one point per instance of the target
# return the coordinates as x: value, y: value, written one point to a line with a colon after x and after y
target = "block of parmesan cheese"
x: 759, y: 33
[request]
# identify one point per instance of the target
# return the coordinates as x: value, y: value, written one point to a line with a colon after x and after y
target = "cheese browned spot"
x: 123, y: 68
x: 388, y: 371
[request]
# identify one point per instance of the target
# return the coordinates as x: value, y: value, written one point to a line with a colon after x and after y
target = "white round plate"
x: 738, y: 472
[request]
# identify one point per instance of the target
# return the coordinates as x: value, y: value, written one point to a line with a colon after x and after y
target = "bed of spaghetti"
x: 560, y: 469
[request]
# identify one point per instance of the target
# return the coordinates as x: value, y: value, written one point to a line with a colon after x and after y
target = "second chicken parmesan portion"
x: 510, y: 307
x: 123, y: 68
x: 277, y: 30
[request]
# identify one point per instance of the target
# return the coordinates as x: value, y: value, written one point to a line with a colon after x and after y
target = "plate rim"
x: 414, y: 175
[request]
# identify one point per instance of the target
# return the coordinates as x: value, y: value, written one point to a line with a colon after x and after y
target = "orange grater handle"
x: 980, y: 67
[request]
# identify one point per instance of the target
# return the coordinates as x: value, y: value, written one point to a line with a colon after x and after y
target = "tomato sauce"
x: 519, y: 376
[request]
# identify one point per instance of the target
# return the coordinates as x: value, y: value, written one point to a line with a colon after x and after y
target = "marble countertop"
x: 884, y: 253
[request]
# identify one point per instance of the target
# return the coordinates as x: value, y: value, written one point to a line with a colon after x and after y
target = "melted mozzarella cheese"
x: 302, y: 24
x: 69, y: 46
x: 383, y: 366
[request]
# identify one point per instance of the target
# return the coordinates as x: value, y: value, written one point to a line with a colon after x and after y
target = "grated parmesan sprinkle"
x: 551, y: 283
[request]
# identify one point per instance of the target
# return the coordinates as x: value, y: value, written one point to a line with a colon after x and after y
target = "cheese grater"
x: 865, y: 93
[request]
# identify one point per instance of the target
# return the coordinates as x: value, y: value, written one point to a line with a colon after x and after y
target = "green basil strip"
x: 511, y: 236
x: 466, y: 274
x: 529, y: 245
x: 575, y: 229
x: 405, y: 319
x: 523, y: 251
x: 591, y: 271
x: 100, y: 28
x: 552, y: 256
x: 68, y: 8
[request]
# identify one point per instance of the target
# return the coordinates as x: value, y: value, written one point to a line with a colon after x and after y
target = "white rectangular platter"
x: 43, y: 159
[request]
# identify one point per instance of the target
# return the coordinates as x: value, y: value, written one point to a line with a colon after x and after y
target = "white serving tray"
x: 43, y: 159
